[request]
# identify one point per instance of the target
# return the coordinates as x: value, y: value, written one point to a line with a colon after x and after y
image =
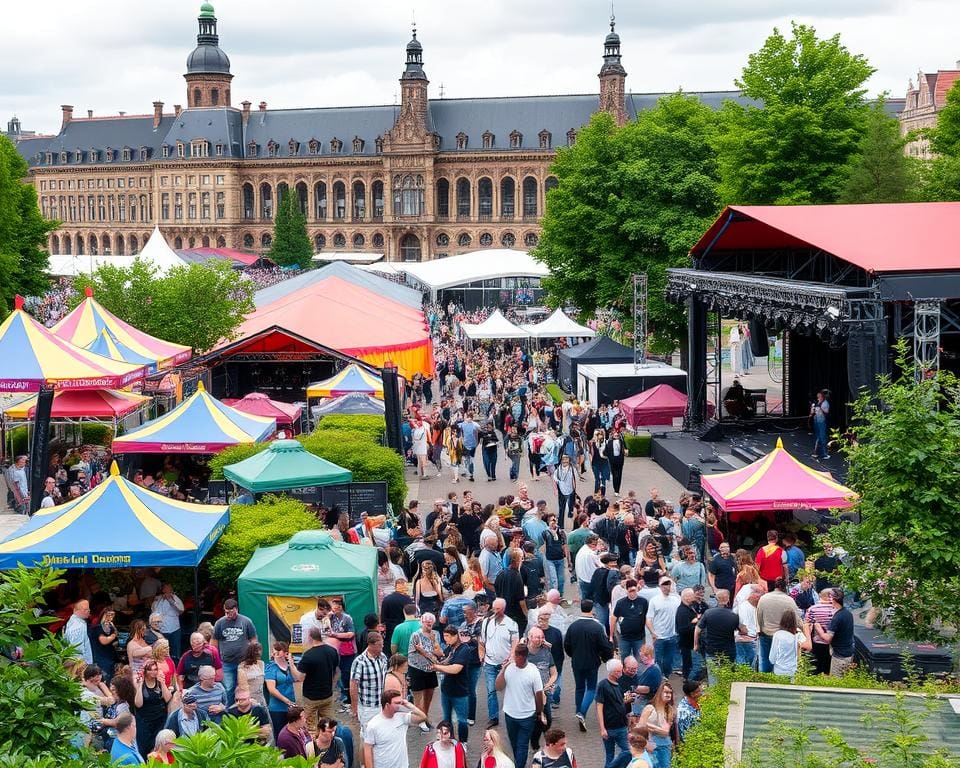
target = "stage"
x: 737, y: 445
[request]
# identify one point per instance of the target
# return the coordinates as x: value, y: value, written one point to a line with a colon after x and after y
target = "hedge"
x: 272, y: 520
x: 367, y: 423
x: 638, y: 445
x: 232, y: 455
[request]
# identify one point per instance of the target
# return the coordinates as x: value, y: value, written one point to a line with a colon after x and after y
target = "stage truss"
x: 639, y: 320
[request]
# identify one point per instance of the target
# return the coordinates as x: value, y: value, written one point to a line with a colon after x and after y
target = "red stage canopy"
x: 883, y: 237
x: 259, y: 404
x: 658, y: 405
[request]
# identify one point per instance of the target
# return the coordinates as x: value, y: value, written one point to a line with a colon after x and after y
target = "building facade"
x: 420, y: 180
x: 923, y: 103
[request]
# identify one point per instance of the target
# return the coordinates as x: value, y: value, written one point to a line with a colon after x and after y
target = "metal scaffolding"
x: 639, y: 320
x: 926, y: 336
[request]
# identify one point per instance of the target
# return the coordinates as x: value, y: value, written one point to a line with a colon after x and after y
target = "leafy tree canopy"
x: 197, y: 304
x: 631, y: 200
x: 291, y: 243
x: 944, y: 177
x: 791, y: 147
x: 23, y: 230
x: 905, y: 550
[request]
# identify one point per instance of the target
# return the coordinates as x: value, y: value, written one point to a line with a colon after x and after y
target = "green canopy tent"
x: 282, y: 582
x: 285, y: 465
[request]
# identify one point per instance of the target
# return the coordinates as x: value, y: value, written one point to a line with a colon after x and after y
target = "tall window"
x: 165, y: 206
x: 266, y: 201
x: 410, y: 247
x: 192, y: 205
x: 204, y: 205
x: 248, y: 201
x: 122, y: 208
x: 377, y: 200
x: 101, y: 208
x: 463, y: 198
x: 485, y: 198
x: 359, y: 201
x: 221, y: 205
x: 320, y: 200
x: 443, y: 199
x: 319, y: 242
x: 302, y: 198
x: 339, y: 200
x: 529, y: 197
x: 120, y: 245
x: 178, y: 205
x: 411, y: 198
x: 283, y: 190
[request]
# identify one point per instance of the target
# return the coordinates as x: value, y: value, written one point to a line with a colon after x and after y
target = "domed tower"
x: 413, y: 89
x: 613, y: 77
x: 208, y: 68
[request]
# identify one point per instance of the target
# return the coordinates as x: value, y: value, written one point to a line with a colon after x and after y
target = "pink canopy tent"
x: 658, y: 405
x: 777, y: 481
x: 258, y: 404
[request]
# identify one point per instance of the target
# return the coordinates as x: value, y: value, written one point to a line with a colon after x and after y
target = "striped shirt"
x: 369, y: 674
x: 821, y: 612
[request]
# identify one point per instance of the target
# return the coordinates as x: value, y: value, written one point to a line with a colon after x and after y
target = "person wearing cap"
x: 839, y: 634
x: 662, y: 623
x: 189, y: 719
x: 454, y: 688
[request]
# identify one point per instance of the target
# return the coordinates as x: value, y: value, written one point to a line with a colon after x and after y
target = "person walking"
x: 499, y: 635
x: 319, y: 665
x: 566, y: 479
x: 385, y: 739
x: 716, y: 634
x: 344, y: 631
x: 367, y: 675
x: 820, y: 415
x: 523, y: 701
x: 510, y: 587
x: 616, y: 451
x: 454, y: 688
x: 231, y: 635
x: 658, y: 717
x: 540, y: 655
x: 556, y: 553
x: 489, y: 442
x: 470, y: 433
x: 662, y: 625
x: 587, y: 643
x: 629, y: 619
x: 423, y: 651
x: 612, y: 705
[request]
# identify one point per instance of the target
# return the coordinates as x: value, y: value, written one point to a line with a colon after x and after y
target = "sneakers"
x: 470, y: 722
x: 343, y: 707
x: 493, y: 722
x: 581, y: 721
x: 425, y: 727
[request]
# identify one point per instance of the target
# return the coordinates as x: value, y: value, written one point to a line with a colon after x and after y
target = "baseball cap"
x: 189, y: 697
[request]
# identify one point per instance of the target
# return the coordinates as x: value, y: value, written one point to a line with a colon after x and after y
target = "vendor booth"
x: 258, y: 404
x: 602, y: 384
x: 494, y: 327
x: 285, y: 465
x: 777, y: 481
x: 348, y: 404
x: 283, y: 582
x: 351, y: 380
x: 200, y: 424
x: 112, y: 406
x: 602, y: 349
x: 658, y: 405
x: 559, y: 326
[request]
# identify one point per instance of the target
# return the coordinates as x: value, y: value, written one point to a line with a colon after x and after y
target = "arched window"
x: 178, y: 242
x: 339, y: 240
x: 531, y: 240
x: 377, y: 240
x: 79, y: 245
x: 408, y: 194
x: 410, y: 247
x: 319, y: 241
x: 192, y: 242
x: 120, y: 244
x: 215, y: 96
x: 221, y: 241
x: 508, y: 240
x: 105, y: 245
x: 463, y: 199
x: 529, y: 197
x: 550, y: 183
x: 486, y: 240
x: 485, y: 198
x: 197, y: 97
x: 266, y: 201
x: 302, y: 198
x: 359, y: 240
x: 205, y: 242
x: 266, y: 240
x: 359, y: 201
x: 378, y: 200
x: 320, y: 200
x: 55, y: 245
x: 443, y: 199
x: 248, y: 240
x: 339, y: 200
x: 67, y: 245
x: 134, y: 245
x: 508, y: 198
x: 463, y: 240
x: 443, y: 240
x: 282, y: 190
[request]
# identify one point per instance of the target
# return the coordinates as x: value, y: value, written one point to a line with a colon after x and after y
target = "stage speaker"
x: 759, y: 339
x: 694, y: 484
x: 392, y: 406
x: 709, y: 432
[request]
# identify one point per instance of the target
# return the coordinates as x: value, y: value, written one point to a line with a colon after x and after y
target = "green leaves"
x: 291, y: 243
x: 230, y: 744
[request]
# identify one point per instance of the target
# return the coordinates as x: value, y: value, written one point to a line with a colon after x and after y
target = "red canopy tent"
x: 258, y: 404
x: 777, y: 481
x: 83, y: 403
x: 658, y: 405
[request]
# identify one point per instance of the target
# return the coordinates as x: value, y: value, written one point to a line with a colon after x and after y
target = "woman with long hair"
x: 168, y: 671
x: 491, y: 753
x: 787, y: 643
x: 123, y: 703
x: 445, y: 751
x: 428, y: 589
x: 453, y: 443
x: 598, y: 461
x: 650, y: 557
x: 138, y: 649
x: 280, y: 675
x: 474, y: 575
x: 250, y: 673
x: 657, y: 717
x: 746, y: 578
x: 150, y: 704
x: 396, y: 677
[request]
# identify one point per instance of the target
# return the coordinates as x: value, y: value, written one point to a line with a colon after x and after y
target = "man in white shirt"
x: 558, y: 616
x: 19, y: 484
x: 586, y: 562
x: 319, y: 617
x: 385, y: 737
x: 75, y: 631
x: 747, y: 644
x: 169, y: 606
x: 499, y: 635
x: 523, y: 700
x: 662, y: 624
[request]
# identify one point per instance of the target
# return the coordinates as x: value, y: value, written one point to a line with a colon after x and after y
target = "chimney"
x: 177, y: 109
x: 263, y: 106
x: 122, y: 114
x: 89, y: 113
x: 67, y: 115
x: 246, y: 111
x: 157, y: 113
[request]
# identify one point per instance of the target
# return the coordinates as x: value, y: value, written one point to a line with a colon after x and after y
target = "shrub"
x: 556, y: 393
x: 19, y: 442
x: 232, y: 455
x: 96, y: 434
x: 638, y: 445
x: 367, y: 423
x: 273, y: 520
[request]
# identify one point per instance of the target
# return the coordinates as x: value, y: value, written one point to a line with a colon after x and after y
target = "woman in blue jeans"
x: 657, y: 717
x: 598, y: 462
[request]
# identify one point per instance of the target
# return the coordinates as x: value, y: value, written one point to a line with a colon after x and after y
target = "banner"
x: 283, y: 618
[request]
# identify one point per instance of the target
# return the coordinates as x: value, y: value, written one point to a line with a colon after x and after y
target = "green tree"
x: 904, y: 551
x: 944, y: 177
x: 791, y: 146
x: 291, y: 243
x: 629, y: 200
x: 196, y: 304
x: 23, y: 230
x: 231, y: 744
x: 879, y: 171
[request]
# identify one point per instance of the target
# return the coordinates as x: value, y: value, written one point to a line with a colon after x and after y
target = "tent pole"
x: 196, y: 597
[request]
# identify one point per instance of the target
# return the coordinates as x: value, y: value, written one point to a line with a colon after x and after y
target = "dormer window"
x: 48, y: 158
x: 358, y: 145
x: 336, y: 146
x: 219, y: 150
x: 144, y: 153
x: 252, y: 149
x: 546, y: 139
x: 63, y: 157
x: 461, y: 140
x: 78, y: 156
x: 181, y: 149
x: 199, y: 148
x: 109, y: 155
x: 313, y: 147
x: 571, y: 137
x: 272, y: 148
x: 378, y: 143
x: 126, y: 154
x: 488, y: 139
x: 516, y: 140
x: 165, y: 151
x: 293, y: 147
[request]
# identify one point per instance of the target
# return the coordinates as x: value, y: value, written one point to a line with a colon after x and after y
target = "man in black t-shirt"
x: 329, y: 748
x: 722, y: 572
x: 839, y: 634
x: 716, y: 633
x: 612, y: 706
x: 630, y: 613
x: 509, y: 585
x: 319, y: 665
x: 455, y: 686
x: 243, y: 705
x: 391, y: 609
x: 825, y: 567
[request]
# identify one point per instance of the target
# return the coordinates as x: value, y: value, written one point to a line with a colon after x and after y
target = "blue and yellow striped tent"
x: 108, y: 345
x: 351, y: 379
x: 117, y: 524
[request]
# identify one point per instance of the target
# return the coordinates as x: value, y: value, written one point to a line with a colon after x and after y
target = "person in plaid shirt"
x: 367, y: 674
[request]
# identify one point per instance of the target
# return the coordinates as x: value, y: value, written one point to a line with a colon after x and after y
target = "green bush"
x: 556, y: 393
x: 638, y: 445
x: 232, y: 455
x: 367, y: 423
x: 96, y: 434
x: 19, y: 442
x: 272, y: 520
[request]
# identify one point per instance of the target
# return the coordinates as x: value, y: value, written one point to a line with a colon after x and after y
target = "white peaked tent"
x: 157, y: 252
x: 558, y: 326
x: 494, y: 327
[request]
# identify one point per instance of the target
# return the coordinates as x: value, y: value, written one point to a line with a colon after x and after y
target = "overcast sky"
x: 113, y: 56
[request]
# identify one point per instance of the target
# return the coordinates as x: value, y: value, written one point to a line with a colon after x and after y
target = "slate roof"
x: 322, y: 124
x: 29, y: 146
x: 218, y: 125
x: 100, y: 133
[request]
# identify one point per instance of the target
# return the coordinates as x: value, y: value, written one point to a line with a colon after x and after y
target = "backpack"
x: 554, y: 544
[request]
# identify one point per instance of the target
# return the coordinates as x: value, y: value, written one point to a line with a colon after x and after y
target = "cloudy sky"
x: 113, y: 56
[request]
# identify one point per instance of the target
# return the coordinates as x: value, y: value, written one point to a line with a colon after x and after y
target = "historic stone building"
x: 923, y: 103
x: 424, y: 179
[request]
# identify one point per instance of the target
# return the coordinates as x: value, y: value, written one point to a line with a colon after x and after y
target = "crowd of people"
x: 54, y: 304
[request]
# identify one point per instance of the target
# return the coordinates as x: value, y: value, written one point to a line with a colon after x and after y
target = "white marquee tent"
x: 158, y: 252
x: 494, y: 327
x: 488, y: 264
x: 558, y: 326
x: 74, y: 265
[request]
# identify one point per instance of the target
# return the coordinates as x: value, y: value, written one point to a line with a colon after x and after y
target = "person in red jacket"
x: 772, y: 561
x: 444, y: 745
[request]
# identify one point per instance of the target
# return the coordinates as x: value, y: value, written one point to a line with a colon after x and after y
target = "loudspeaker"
x: 710, y: 431
x: 392, y: 407
x: 759, y: 339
